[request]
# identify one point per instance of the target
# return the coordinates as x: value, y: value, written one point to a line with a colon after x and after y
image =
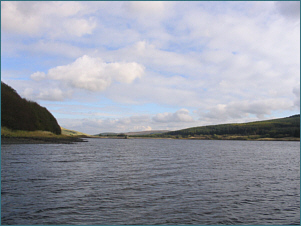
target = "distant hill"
x: 18, y: 113
x: 70, y: 132
x: 275, y: 128
x: 146, y: 132
x: 141, y: 133
x: 106, y: 134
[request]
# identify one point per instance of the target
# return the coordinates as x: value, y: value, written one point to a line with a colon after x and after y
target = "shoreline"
x: 40, y: 140
x: 203, y: 138
x: 72, y: 140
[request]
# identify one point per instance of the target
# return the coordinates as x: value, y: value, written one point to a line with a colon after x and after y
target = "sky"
x: 130, y: 66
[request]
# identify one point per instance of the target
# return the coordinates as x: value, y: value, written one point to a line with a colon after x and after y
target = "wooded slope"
x: 276, y: 128
x: 18, y: 113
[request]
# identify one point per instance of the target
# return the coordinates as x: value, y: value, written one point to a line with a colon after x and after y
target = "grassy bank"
x: 73, y: 133
x: 38, y: 136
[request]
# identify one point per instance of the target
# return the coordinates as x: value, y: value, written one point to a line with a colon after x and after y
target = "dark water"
x: 106, y: 181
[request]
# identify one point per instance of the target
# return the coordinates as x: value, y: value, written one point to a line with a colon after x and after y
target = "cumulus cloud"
x: 181, y: 115
x: 92, y: 73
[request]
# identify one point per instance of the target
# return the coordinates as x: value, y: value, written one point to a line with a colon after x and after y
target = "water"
x: 141, y: 181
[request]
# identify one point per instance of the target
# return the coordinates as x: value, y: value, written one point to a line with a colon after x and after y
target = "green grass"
x: 66, y: 134
x: 5, y: 132
x: 73, y: 132
x: 37, y: 136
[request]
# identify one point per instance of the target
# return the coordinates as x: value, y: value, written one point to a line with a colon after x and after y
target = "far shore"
x: 242, y: 138
x: 71, y: 140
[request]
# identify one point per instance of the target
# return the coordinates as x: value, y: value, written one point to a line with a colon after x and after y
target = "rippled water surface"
x: 141, y: 181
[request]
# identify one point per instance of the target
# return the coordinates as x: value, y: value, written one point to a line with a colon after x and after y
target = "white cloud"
x: 148, y: 13
x: 44, y: 47
x: 157, y: 59
x: 28, y: 93
x: 170, y: 121
x: 154, y: 90
x: 296, y: 92
x: 181, y: 115
x: 52, y: 19
x: 60, y: 8
x: 52, y: 95
x: 145, y: 7
x: 55, y: 48
x: 78, y: 27
x: 93, y: 74
x: 17, y: 18
x: 37, y: 76
x: 243, y: 109
x: 119, y: 125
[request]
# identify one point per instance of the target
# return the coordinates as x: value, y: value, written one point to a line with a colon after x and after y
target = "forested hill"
x: 18, y: 113
x: 276, y: 128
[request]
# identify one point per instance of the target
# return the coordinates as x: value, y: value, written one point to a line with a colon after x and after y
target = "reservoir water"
x: 146, y: 181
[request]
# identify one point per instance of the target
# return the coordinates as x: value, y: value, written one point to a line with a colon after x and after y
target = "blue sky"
x: 134, y: 66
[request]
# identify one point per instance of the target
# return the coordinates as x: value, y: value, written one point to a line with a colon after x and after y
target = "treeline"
x: 276, y: 128
x: 18, y: 113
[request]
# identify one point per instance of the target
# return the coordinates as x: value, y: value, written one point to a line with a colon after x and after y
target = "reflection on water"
x: 107, y: 181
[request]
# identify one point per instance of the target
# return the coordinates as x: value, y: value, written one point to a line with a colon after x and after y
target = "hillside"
x: 276, y: 128
x: 70, y: 132
x: 18, y: 113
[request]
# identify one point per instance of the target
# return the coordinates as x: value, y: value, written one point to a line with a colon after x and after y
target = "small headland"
x: 9, y: 136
